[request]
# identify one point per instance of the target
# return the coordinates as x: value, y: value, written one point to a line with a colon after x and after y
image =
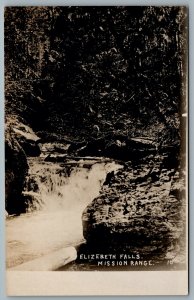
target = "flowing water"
x: 59, y: 193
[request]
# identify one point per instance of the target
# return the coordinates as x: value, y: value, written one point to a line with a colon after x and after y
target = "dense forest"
x: 82, y: 72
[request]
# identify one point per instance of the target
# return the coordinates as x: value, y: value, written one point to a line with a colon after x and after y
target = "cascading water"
x: 61, y: 187
x: 59, y: 195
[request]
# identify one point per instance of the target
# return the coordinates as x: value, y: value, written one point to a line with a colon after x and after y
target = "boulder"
x: 16, y: 169
x: 130, y: 214
x: 124, y: 148
x: 27, y: 139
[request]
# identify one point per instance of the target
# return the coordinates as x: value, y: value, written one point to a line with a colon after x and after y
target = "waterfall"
x: 56, y: 187
x: 59, y: 195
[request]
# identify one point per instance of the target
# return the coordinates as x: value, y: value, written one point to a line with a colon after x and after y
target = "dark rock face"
x: 124, y: 148
x: 16, y: 168
x: 20, y: 142
x: 141, y: 209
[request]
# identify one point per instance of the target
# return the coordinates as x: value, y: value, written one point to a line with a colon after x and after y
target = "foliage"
x: 69, y: 69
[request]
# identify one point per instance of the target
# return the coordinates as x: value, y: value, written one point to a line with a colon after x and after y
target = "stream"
x: 59, y: 188
x: 59, y: 193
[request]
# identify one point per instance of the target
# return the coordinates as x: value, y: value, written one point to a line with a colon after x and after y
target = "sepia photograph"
x: 96, y: 105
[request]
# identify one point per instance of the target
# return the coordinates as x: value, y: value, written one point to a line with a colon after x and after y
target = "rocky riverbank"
x: 140, y: 210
